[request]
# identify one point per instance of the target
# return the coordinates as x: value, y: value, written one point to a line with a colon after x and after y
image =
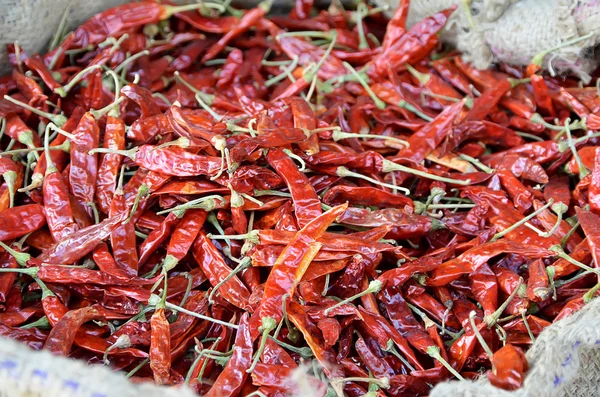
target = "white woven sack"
x: 514, y: 31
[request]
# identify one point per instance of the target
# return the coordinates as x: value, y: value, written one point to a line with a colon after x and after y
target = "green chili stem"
x: 57, y: 119
x: 346, y: 173
x: 268, y: 325
x: 434, y: 352
x: 244, y: 264
x: 378, y: 102
x: 477, y: 163
x: 155, y: 299
x: 492, y: 319
x: 374, y: 287
x: 390, y: 166
x: 479, y: 337
x: 522, y: 221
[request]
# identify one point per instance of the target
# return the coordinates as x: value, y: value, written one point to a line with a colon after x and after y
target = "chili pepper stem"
x: 207, y: 203
x: 562, y: 254
x: 566, y: 237
x: 276, y: 79
x: 196, y: 362
x: 527, y: 327
x: 588, y: 296
x: 492, y: 319
x: 339, y: 135
x: 390, y: 348
x: 383, y: 383
x: 204, y: 100
x: 522, y: 221
x: 243, y: 265
x: 479, y: 337
x: 434, y: 352
x: 30, y: 271
x: 10, y: 178
x: 378, y: 102
x: 422, y: 78
x: 172, y: 10
x: 143, y: 191
x: 21, y: 257
x: 130, y: 153
x: 64, y: 90
x: 539, y: 57
x: 137, y: 368
x: 583, y: 171
x: 373, y: 288
x: 559, y: 209
x: 268, y: 324
x: 252, y: 236
x: 107, y: 109
x: 155, y: 299
x: 346, y: 173
x: 122, y: 342
x: 390, y: 166
x: 477, y: 163
x: 411, y: 108
x: 57, y: 119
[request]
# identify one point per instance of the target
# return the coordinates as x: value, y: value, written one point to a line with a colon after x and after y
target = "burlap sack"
x: 514, y: 31
x: 564, y: 361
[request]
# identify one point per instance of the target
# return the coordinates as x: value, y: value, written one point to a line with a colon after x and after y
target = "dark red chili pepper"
x: 230, y: 381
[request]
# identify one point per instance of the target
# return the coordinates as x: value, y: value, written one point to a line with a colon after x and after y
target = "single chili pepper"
x: 307, y: 53
x: 306, y: 202
x: 169, y: 161
x: 7, y: 279
x: 57, y: 208
x: 430, y: 136
x: 383, y: 329
x: 78, y: 244
x: 403, y: 320
x: 518, y: 193
x: 122, y: 237
x: 404, y: 225
x: 63, y: 333
x: 510, y: 365
x: 233, y: 376
x: 114, y: 138
x: 183, y: 236
x: 123, y: 18
x: 157, y: 237
x: 412, y: 46
x: 83, y: 169
x: 542, y: 95
x: 396, y: 26
x: 105, y: 261
x: 160, y: 347
x: 21, y: 220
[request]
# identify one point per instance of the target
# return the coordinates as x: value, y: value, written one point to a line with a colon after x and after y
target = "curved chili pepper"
x: 63, y: 333
x: 18, y: 221
x: 230, y: 381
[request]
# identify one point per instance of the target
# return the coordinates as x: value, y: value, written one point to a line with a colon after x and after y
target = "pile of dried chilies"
x: 223, y: 199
